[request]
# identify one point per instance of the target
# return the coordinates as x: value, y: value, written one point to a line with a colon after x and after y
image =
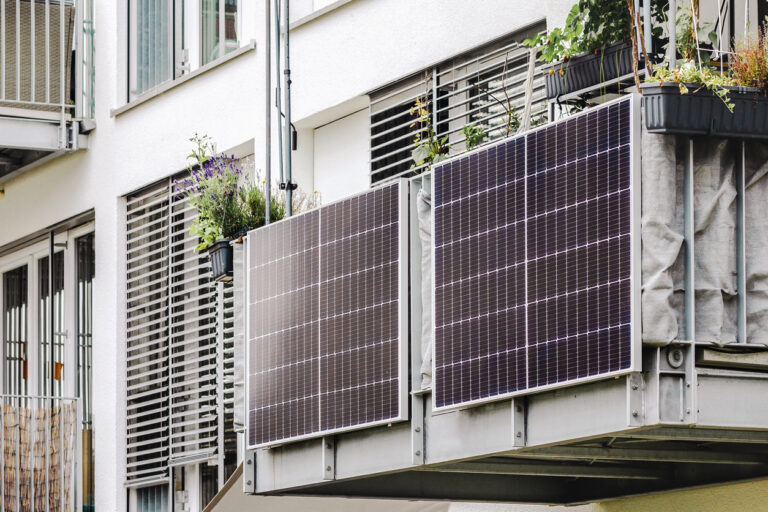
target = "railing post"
x: 78, y: 67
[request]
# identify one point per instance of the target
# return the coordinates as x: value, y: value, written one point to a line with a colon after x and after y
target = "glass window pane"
x: 15, y: 332
x: 84, y: 278
x: 44, y: 312
x: 153, y: 43
x: 210, y: 28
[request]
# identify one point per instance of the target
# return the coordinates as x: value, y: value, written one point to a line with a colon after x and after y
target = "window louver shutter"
x: 475, y: 88
x: 147, y: 335
x: 193, y: 366
x: 180, y: 353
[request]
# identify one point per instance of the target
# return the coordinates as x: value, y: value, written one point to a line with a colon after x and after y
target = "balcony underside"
x: 615, y: 438
x: 28, y: 142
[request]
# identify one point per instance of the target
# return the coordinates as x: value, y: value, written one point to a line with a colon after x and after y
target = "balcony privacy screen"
x: 480, y: 88
x: 179, y: 353
x: 36, y: 54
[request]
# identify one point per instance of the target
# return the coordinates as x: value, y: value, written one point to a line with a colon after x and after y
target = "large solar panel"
x: 327, y: 331
x: 535, y: 260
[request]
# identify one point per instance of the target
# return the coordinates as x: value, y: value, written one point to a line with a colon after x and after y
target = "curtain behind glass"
x: 153, y: 43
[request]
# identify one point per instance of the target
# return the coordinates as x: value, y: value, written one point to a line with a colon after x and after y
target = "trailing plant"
x: 473, y: 135
x: 689, y: 72
x: 229, y: 200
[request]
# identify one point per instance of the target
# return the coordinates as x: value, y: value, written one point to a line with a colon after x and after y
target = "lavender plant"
x: 228, y: 199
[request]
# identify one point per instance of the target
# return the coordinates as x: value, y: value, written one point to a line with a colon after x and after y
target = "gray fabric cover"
x: 663, y: 252
x: 238, y: 259
x: 424, y: 209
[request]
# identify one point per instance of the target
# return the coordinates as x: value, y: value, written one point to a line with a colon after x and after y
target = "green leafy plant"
x: 228, y: 199
x: 593, y: 25
x: 473, y: 136
x: 688, y: 72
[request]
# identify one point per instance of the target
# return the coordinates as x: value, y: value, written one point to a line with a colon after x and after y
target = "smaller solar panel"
x: 328, y: 319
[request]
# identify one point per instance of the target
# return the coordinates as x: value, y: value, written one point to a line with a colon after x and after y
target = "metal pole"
x: 731, y: 23
x: 741, y: 267
x: 690, y: 283
x: 287, y: 127
x: 268, y: 108
x: 278, y: 92
x: 51, y: 361
x: 672, y: 17
x: 648, y: 28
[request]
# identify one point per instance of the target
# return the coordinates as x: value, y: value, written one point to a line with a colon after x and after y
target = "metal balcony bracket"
x: 249, y: 472
x: 329, y: 458
x: 417, y: 429
x: 635, y: 400
x: 689, y: 409
x: 519, y: 426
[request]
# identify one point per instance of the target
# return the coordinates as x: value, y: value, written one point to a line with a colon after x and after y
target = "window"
x: 168, y: 38
x: 151, y: 45
x: 179, y: 355
x: 484, y: 88
x: 213, y: 23
x: 30, y: 366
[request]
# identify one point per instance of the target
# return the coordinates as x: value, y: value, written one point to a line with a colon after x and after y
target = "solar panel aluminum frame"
x: 635, y: 263
x: 403, y: 251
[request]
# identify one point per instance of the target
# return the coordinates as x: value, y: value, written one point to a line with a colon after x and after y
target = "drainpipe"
x: 278, y: 92
x: 288, y: 184
x: 268, y: 110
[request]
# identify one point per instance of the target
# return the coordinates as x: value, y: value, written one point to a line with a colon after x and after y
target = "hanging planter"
x: 702, y: 112
x: 222, y: 266
x: 588, y: 70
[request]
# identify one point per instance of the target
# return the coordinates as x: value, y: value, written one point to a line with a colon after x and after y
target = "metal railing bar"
x: 18, y: 49
x: 32, y: 49
x: 48, y: 51
x: 2, y: 56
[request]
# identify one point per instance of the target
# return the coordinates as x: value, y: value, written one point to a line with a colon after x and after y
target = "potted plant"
x: 593, y: 46
x: 697, y: 98
x: 229, y: 201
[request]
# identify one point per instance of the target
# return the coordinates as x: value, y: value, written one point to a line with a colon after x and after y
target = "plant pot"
x: 701, y: 112
x: 222, y: 267
x: 588, y: 70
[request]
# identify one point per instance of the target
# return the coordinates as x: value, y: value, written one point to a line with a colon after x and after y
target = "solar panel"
x: 534, y: 260
x: 327, y: 339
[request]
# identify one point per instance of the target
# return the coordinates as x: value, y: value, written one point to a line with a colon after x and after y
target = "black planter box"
x: 702, y: 112
x: 222, y: 266
x: 588, y: 69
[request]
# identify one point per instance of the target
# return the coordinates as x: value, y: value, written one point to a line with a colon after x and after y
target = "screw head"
x: 418, y: 453
x: 519, y: 434
x: 635, y: 413
x: 249, y: 482
x: 418, y: 429
x: 328, y: 468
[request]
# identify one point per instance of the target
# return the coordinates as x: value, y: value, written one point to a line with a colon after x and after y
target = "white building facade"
x: 138, y: 334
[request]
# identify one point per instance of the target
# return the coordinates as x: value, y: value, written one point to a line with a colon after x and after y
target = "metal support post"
x: 690, y: 383
x: 672, y: 29
x: 417, y: 394
x: 741, y: 264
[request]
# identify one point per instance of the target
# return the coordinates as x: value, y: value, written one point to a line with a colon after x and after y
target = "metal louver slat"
x: 479, y: 88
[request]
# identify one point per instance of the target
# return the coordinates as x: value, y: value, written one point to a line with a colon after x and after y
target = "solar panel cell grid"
x: 325, y: 329
x: 532, y: 260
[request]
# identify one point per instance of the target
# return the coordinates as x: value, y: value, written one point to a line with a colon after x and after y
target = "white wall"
x: 341, y: 157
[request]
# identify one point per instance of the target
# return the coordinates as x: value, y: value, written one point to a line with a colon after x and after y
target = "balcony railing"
x: 40, y: 456
x: 46, y: 79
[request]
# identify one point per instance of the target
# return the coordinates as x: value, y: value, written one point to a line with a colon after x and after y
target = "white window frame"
x: 184, y: 40
x: 31, y: 256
